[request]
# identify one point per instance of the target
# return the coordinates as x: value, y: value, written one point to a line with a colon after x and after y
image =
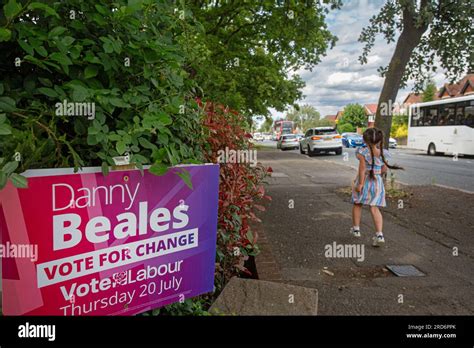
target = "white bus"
x: 443, y: 126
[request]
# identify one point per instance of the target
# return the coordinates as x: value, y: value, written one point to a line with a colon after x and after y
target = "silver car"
x: 392, y: 143
x: 321, y: 139
x: 288, y: 141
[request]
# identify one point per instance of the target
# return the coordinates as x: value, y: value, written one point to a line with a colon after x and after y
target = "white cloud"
x: 341, y: 78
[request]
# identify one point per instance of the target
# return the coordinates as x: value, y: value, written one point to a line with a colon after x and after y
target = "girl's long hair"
x: 375, y: 136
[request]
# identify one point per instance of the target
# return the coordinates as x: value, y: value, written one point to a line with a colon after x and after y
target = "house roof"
x: 450, y: 89
x: 330, y: 117
x: 413, y: 98
x: 469, y: 81
x: 371, y: 109
x: 456, y: 89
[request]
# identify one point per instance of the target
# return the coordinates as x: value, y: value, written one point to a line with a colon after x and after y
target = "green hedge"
x: 127, y: 58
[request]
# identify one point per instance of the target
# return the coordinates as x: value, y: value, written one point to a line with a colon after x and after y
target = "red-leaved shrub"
x: 240, y: 190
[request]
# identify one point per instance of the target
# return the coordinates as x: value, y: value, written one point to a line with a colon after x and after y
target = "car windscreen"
x: 289, y: 137
x: 324, y: 131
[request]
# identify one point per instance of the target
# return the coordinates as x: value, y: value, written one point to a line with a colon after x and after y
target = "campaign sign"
x: 119, y: 244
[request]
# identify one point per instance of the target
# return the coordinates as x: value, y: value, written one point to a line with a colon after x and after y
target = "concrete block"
x: 259, y: 297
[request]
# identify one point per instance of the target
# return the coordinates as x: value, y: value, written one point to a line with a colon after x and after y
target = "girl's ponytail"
x: 370, y: 137
x: 372, y: 175
x: 382, y: 150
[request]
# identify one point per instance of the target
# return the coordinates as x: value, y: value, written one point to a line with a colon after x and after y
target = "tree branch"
x: 45, y: 127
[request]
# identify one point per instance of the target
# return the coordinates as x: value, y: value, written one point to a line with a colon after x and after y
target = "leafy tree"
x: 304, y: 117
x: 400, y: 120
x: 266, y: 125
x: 345, y: 128
x: 254, y: 48
x: 323, y: 123
x: 354, y: 114
x: 433, y: 33
x: 429, y: 92
x: 128, y: 59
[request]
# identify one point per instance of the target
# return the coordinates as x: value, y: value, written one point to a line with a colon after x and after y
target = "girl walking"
x: 368, y: 186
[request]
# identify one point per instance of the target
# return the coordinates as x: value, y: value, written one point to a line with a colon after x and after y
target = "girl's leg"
x: 356, y: 214
x: 377, y: 217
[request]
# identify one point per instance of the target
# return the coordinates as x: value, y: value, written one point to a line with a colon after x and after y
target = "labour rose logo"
x: 120, y: 278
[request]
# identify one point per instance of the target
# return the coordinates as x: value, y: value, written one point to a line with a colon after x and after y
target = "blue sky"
x: 340, y: 79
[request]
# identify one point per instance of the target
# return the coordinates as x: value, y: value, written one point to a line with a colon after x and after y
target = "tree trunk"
x: 408, y: 40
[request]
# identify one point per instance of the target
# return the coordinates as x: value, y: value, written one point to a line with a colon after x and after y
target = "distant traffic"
x: 438, y: 127
x: 315, y: 141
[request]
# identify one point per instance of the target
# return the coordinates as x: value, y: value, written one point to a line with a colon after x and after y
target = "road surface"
x: 419, y: 168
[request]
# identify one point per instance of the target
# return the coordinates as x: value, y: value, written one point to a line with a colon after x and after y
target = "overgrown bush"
x: 399, y: 127
x: 400, y: 131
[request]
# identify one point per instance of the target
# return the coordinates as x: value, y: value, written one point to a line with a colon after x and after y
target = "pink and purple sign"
x: 119, y: 244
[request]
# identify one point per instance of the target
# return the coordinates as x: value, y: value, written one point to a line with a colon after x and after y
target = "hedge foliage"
x: 128, y: 59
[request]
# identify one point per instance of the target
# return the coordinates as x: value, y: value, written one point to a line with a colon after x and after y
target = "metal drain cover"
x: 405, y: 271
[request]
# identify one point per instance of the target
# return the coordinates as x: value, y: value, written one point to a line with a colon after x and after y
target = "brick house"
x: 331, y: 118
x: 334, y: 118
x: 370, y: 111
x: 415, y: 97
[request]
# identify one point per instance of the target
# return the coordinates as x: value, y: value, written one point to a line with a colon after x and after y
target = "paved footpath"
x: 310, y: 210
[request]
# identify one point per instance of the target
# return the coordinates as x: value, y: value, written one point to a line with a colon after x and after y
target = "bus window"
x: 459, y: 114
x: 286, y: 129
x: 416, y: 117
x: 469, y: 115
x: 443, y: 115
x: 447, y: 115
x: 431, y: 117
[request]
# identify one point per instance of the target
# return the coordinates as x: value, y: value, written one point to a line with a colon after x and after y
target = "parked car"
x: 321, y: 139
x: 352, y: 140
x: 288, y: 141
x: 258, y: 136
x: 392, y: 143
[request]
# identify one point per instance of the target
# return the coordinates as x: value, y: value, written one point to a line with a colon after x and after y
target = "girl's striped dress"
x: 373, y: 190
